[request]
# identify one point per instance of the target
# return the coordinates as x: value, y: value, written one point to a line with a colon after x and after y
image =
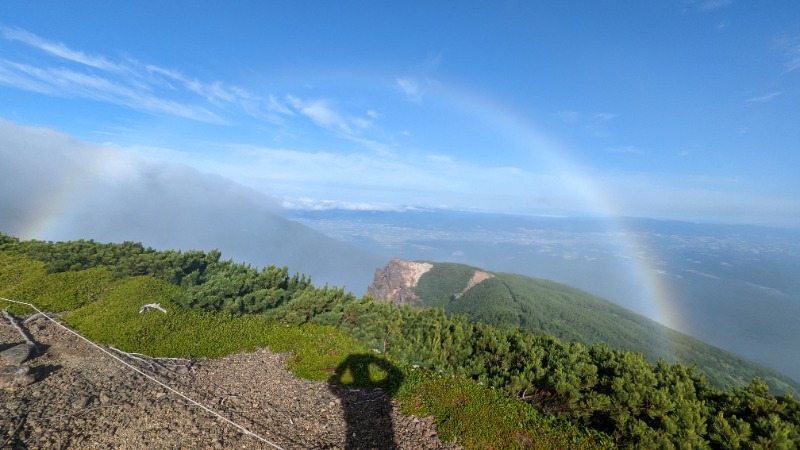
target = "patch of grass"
x: 26, y: 280
x: 16, y: 270
x: 480, y: 418
x: 115, y: 320
x: 438, y: 285
x: 58, y: 292
x: 316, y: 350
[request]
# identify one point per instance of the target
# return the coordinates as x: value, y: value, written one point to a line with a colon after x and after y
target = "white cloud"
x: 598, y: 124
x: 305, y: 203
x: 604, y: 116
x: 149, y: 88
x: 361, y: 178
x: 62, y: 82
x: 414, y: 87
x: 447, y: 159
x: 710, y: 5
x: 60, y: 50
x: 764, y: 98
x: 323, y: 114
x: 274, y: 105
x: 793, y: 54
x: 567, y: 116
x: 368, y: 180
x: 410, y: 88
x: 361, y: 122
x: 632, y: 149
x: 175, y: 75
x: 214, y: 92
x: 143, y: 87
x: 24, y: 77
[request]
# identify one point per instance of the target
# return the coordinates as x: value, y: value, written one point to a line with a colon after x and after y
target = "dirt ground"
x: 69, y: 394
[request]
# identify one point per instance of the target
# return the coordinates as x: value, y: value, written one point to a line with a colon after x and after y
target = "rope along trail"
x: 150, y: 377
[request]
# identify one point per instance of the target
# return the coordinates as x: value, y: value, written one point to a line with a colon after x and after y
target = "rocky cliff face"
x: 477, y: 277
x: 396, y: 281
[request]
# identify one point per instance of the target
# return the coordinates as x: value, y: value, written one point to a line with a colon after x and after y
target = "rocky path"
x: 75, y: 396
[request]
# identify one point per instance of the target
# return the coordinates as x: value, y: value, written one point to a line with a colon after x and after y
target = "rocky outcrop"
x: 15, y: 376
x: 396, y: 282
x: 477, y: 278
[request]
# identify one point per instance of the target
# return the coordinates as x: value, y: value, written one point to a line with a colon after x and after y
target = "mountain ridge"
x: 546, y: 307
x: 751, y: 309
x: 507, y: 383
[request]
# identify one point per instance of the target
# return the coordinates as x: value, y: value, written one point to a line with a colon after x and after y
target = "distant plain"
x: 735, y: 287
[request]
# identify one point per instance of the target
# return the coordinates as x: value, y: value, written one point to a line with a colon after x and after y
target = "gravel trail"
x: 69, y: 394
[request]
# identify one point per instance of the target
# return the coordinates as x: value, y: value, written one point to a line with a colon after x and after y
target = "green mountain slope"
x: 486, y: 386
x: 550, y: 308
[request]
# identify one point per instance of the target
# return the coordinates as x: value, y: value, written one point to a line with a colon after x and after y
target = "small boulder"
x: 16, y: 354
x: 15, y: 376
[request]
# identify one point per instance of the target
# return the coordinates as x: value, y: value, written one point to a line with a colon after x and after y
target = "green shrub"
x: 115, y: 320
x: 481, y: 418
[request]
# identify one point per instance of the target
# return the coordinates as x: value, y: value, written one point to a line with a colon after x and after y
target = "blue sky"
x: 672, y: 109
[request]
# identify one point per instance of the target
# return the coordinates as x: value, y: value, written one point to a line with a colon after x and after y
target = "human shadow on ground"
x: 366, y: 383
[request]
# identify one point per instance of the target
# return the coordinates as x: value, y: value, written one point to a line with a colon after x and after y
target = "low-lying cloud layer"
x: 53, y: 187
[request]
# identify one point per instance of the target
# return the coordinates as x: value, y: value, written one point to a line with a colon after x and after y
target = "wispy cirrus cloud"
x: 124, y: 82
x: 329, y: 117
x: 64, y: 82
x: 764, y: 98
x: 70, y: 73
x: 412, y: 88
x: 215, y: 92
x: 60, y: 50
x: 603, y: 117
x: 793, y: 54
x: 566, y: 115
x: 278, y: 107
x: 324, y: 114
x: 710, y: 5
x: 320, y: 112
x: 629, y: 149
x: 597, y: 124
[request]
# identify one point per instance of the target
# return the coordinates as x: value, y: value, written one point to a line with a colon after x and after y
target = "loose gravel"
x: 74, y: 396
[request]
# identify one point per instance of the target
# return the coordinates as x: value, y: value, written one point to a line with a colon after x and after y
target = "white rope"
x: 19, y: 329
x: 148, y: 376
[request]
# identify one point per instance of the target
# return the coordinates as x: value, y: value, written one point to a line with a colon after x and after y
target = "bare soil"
x: 75, y: 396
